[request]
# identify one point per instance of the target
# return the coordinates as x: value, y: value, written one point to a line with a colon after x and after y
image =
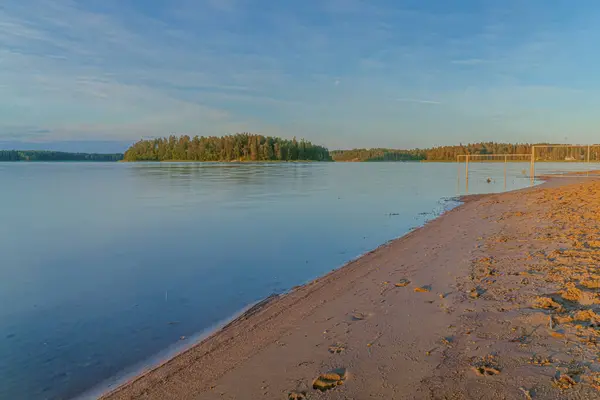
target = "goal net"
x: 484, y: 173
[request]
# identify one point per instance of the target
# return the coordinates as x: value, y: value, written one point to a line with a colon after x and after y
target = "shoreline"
x: 138, y: 371
x: 157, y: 360
x: 230, y: 351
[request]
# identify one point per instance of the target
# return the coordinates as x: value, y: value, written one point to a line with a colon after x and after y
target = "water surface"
x: 104, y: 265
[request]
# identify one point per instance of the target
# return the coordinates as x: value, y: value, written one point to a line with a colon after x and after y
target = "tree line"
x: 250, y: 147
x: 238, y: 147
x: 449, y: 153
x: 44, y: 155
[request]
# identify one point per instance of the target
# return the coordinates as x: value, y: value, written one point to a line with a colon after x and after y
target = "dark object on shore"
x: 489, y: 180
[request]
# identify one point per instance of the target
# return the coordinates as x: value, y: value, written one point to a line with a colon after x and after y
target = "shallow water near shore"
x: 106, y: 265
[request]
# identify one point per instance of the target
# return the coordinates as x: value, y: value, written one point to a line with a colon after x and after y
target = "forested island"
x: 238, y: 147
x: 43, y: 155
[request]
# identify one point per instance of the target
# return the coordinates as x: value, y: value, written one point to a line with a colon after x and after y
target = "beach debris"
x: 423, y: 289
x: 489, y: 180
x: 486, y: 366
x: 330, y: 379
x: 402, y: 283
x: 296, y: 395
x: 546, y: 303
x: 336, y: 348
x: 475, y: 293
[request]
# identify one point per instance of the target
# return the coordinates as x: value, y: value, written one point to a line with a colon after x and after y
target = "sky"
x: 343, y: 73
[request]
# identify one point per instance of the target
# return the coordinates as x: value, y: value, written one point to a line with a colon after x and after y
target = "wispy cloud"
x: 470, y: 61
x: 419, y: 101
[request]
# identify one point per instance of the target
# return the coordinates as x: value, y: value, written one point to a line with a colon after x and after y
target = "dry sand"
x: 497, y: 299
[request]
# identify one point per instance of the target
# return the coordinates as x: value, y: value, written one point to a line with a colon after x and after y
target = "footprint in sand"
x: 336, y: 348
x: 423, y: 289
x: 358, y: 316
x: 296, y: 395
x: 476, y: 292
x: 546, y: 303
x: 330, y: 379
x: 564, y: 382
x: 486, y: 371
x: 486, y: 366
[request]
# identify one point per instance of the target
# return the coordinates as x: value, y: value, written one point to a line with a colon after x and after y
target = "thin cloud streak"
x: 418, y: 101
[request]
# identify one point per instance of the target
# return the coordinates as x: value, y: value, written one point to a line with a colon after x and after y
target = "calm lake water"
x: 103, y: 266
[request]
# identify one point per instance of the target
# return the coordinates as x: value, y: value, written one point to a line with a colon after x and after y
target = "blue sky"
x: 344, y: 73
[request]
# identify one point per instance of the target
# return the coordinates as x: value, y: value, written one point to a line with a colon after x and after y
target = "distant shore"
x: 488, y: 301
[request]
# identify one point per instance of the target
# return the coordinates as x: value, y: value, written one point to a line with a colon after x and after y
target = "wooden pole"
x: 467, y: 174
x: 505, y: 162
x: 457, y: 174
x: 588, y: 160
x: 532, y: 166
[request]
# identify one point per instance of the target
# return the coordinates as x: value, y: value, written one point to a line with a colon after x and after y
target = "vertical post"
x: 588, y: 161
x: 532, y: 166
x: 458, y: 174
x: 505, y: 162
x: 467, y: 173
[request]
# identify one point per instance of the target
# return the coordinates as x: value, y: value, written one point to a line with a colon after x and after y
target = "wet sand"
x: 497, y: 299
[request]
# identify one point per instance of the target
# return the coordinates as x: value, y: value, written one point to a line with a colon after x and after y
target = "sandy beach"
x: 497, y: 299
